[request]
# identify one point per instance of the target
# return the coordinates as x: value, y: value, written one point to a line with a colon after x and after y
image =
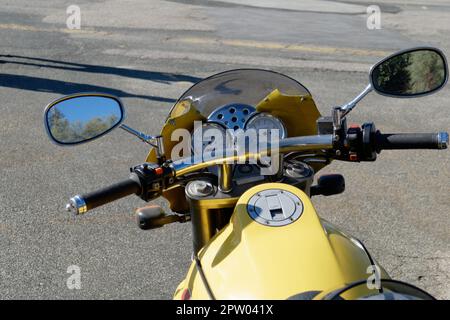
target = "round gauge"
x: 263, y: 123
x: 210, y: 138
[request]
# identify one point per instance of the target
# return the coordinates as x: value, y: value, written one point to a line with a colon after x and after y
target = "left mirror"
x: 81, y: 118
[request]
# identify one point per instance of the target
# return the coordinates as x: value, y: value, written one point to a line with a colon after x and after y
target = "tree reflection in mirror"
x: 410, y: 73
x: 82, y: 118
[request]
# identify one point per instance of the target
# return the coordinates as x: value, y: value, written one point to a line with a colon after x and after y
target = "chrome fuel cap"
x: 275, y: 207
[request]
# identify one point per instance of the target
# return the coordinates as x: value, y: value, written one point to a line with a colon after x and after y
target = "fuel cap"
x: 275, y: 207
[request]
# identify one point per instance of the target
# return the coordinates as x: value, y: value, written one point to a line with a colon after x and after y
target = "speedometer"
x: 263, y: 123
x: 212, y: 138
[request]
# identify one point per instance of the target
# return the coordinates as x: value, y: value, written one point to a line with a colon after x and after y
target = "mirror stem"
x: 340, y: 112
x: 146, y: 138
x: 156, y: 142
x: 346, y: 108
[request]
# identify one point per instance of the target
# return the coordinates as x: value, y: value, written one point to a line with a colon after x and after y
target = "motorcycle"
x: 243, y: 176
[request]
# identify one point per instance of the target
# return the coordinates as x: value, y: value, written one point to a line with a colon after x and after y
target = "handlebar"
x: 148, y: 181
x: 396, y: 141
x: 80, y: 204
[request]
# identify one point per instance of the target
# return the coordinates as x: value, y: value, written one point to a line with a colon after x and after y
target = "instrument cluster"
x: 225, y: 121
x: 229, y: 118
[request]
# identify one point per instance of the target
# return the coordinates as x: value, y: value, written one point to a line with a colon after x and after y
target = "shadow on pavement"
x: 65, y: 88
x: 62, y: 87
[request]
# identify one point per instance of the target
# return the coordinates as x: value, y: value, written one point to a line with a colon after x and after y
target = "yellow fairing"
x: 248, y: 260
x: 298, y: 113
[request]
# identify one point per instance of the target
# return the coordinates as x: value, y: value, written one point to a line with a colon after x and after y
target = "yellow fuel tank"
x: 275, y: 248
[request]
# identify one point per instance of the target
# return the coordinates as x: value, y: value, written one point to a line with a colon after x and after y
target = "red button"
x: 159, y: 171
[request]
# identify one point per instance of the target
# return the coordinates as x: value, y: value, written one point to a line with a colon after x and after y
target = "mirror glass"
x: 410, y: 73
x: 82, y: 118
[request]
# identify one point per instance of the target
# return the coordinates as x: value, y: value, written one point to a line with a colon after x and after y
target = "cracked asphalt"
x: 148, y: 53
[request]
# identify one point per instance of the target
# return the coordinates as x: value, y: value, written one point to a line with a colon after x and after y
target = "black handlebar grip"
x: 83, y: 203
x: 395, y: 141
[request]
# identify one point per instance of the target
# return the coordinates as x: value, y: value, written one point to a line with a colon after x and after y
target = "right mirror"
x: 410, y: 73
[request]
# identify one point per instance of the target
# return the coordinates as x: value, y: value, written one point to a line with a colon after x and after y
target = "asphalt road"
x: 148, y: 53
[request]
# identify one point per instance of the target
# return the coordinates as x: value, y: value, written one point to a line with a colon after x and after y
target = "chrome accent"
x: 146, y: 138
x: 200, y: 188
x: 336, y: 114
x: 340, y: 112
x: 77, y: 205
x: 160, y: 147
x: 442, y: 140
x: 298, y: 169
x: 156, y: 142
x: 226, y: 178
x: 317, y: 142
x: 350, y: 105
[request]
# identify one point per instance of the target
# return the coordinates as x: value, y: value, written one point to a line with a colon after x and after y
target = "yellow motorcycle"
x: 237, y: 157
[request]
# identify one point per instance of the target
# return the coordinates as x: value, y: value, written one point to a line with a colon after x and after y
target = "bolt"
x: 155, y: 185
